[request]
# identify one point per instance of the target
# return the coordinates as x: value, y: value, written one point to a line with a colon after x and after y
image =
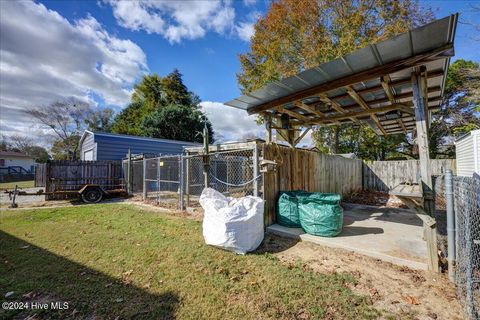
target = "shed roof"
x: 138, y: 138
x: 367, y: 85
x: 15, y: 154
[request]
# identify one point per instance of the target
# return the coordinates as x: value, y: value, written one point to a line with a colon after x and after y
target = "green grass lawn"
x: 21, y: 184
x: 114, y: 260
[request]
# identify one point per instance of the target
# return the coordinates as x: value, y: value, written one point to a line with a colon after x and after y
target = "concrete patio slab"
x: 390, y: 234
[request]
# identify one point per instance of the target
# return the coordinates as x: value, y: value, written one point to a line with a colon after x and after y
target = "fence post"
x: 182, y: 181
x: 158, y: 181
x: 187, y: 179
x: 450, y: 225
x: 255, y: 170
x: 129, y: 173
x: 469, y: 260
x: 144, y: 178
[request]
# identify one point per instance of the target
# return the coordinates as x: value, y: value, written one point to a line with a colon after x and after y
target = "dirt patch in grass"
x: 403, y: 293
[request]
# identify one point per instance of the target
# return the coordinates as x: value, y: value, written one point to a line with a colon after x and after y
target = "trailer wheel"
x: 92, y: 195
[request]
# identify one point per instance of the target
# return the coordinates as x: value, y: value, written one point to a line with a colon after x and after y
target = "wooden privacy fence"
x: 72, y: 175
x: 300, y: 169
x: 385, y: 175
x: 40, y: 174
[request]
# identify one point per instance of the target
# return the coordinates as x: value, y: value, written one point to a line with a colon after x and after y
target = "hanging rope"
x: 236, y: 185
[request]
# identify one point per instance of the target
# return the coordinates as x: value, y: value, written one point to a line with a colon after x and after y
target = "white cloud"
x: 246, y: 29
x: 175, y: 20
x: 44, y: 57
x: 231, y: 124
x: 249, y: 2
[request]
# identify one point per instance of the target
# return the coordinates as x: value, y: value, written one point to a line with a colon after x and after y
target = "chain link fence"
x: 178, y: 181
x: 466, y: 192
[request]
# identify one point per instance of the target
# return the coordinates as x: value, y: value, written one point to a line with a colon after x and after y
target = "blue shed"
x: 111, y: 146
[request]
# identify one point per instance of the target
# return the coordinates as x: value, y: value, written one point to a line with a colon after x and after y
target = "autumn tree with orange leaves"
x: 295, y: 35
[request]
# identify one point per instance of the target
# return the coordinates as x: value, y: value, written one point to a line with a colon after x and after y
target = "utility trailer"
x: 89, y: 193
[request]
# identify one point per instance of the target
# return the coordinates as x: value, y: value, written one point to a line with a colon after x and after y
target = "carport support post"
x: 419, y: 87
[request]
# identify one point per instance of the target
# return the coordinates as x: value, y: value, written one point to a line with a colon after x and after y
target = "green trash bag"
x: 287, y: 209
x: 320, y: 214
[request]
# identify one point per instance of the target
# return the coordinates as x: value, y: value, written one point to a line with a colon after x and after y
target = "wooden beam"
x: 406, y: 95
x: 308, y: 108
x: 358, y: 99
x: 408, y: 80
x: 386, y: 87
x: 335, y: 105
x: 355, y: 114
x: 302, y: 135
x: 292, y: 114
x: 375, y: 72
x: 385, y: 82
x: 421, y: 115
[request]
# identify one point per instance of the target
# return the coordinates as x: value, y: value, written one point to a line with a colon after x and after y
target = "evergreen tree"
x: 162, y: 107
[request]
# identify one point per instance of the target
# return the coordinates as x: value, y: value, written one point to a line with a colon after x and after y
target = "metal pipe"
x: 144, y: 178
x: 255, y: 171
x: 206, y: 164
x: 450, y: 224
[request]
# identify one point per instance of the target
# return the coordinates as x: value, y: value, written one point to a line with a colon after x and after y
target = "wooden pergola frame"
x: 391, y: 97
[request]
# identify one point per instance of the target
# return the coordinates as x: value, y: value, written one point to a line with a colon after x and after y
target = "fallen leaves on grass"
x: 126, y: 277
x: 412, y: 300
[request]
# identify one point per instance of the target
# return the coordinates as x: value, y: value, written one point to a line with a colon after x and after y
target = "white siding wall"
x: 26, y: 163
x: 467, y: 151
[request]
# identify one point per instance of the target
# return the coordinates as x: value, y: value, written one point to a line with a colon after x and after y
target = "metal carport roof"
x: 366, y: 85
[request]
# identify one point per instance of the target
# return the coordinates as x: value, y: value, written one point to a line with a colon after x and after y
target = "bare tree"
x: 20, y: 142
x: 66, y: 119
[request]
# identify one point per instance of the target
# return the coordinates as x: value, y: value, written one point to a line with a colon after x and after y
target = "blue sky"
x: 201, y: 39
x: 209, y: 64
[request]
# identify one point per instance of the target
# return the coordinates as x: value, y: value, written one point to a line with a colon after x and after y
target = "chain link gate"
x: 162, y: 180
x: 234, y: 173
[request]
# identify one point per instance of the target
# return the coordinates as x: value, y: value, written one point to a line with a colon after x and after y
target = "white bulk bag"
x: 234, y: 224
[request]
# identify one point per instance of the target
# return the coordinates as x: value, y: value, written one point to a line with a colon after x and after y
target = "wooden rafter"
x: 308, y: 108
x: 385, y: 82
x: 432, y: 74
x: 358, y: 99
x: 355, y: 114
x: 293, y: 114
x: 335, y: 105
